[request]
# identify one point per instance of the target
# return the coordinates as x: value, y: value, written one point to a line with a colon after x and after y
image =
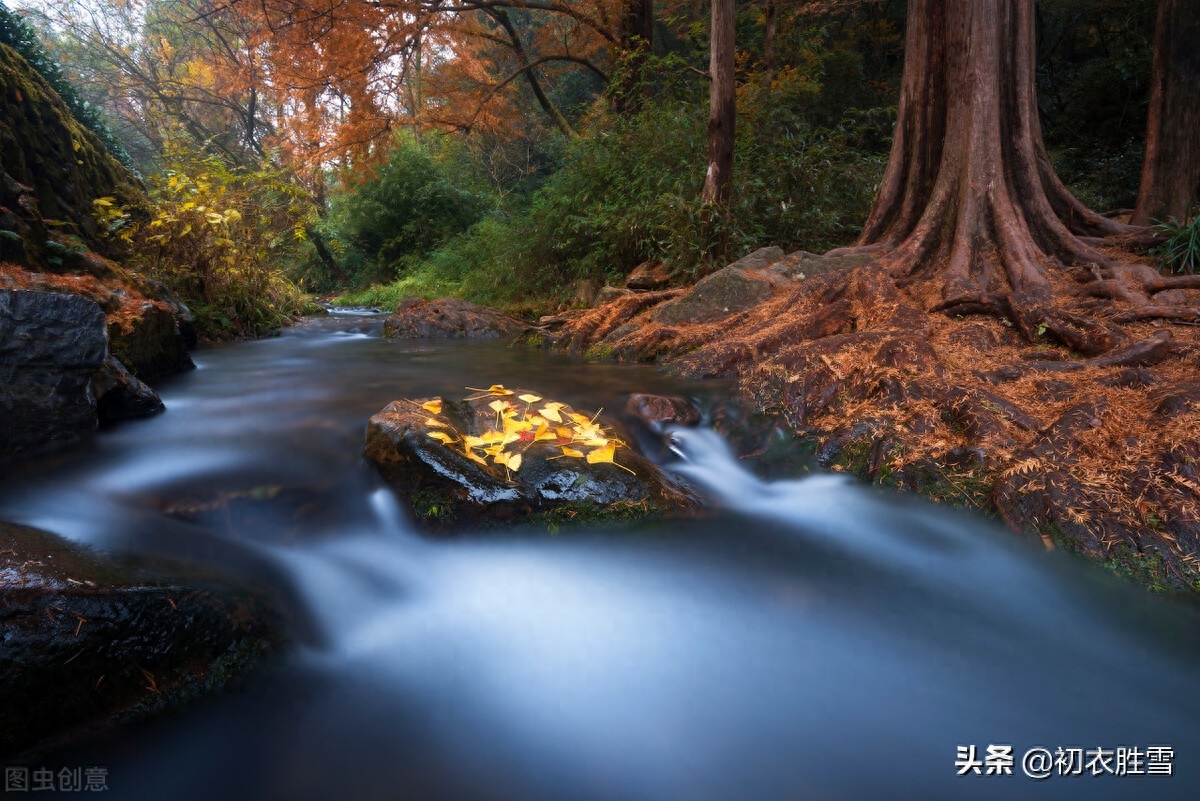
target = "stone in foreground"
x: 85, y: 641
x: 438, y: 461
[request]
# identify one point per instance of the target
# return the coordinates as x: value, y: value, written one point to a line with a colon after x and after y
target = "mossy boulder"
x: 52, y: 167
x: 86, y: 640
x: 441, y: 465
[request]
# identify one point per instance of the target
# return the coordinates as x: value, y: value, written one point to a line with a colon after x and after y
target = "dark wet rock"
x: 658, y: 411
x: 121, y: 396
x: 447, y: 317
x: 608, y: 294
x: 51, y: 345
x: 157, y: 290
x: 718, y: 296
x: 649, y: 276
x: 447, y: 490
x: 759, y: 259
x: 149, y: 342
x: 86, y: 640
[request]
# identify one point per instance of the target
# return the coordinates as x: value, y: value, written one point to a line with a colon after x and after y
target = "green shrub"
x: 409, y: 206
x: 1181, y: 251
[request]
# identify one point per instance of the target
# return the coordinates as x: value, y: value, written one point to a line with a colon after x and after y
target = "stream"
x: 815, y: 639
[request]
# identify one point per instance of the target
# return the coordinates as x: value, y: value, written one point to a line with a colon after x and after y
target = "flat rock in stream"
x: 447, y: 489
x: 415, y: 318
x: 84, y: 640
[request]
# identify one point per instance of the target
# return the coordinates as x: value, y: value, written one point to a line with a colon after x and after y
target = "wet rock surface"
x: 121, y: 396
x: 150, y: 343
x: 447, y: 490
x: 415, y: 318
x: 85, y: 640
x: 51, y: 345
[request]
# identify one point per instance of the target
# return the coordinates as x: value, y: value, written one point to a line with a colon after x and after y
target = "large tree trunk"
x: 1171, y: 170
x: 718, y: 179
x: 969, y: 200
x: 636, y: 44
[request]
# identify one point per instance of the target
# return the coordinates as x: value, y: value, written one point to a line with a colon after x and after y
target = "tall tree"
x: 636, y: 44
x: 970, y: 212
x: 718, y: 178
x: 1171, y: 169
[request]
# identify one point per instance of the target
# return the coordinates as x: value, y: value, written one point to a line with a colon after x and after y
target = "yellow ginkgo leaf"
x: 433, y: 406
x: 551, y: 411
x: 514, y: 462
x: 565, y: 433
x: 581, y: 419
x: 473, y: 442
x: 530, y: 398
x: 571, y: 452
x: 512, y: 424
x: 491, y: 437
x: 498, y: 406
x: 433, y: 422
x: 543, y: 433
x: 474, y: 457
x: 442, y: 437
x: 598, y: 442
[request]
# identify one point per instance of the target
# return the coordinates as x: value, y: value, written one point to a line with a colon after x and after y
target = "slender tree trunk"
x: 636, y: 45
x: 770, y: 26
x: 501, y: 16
x: 1171, y: 169
x: 718, y: 179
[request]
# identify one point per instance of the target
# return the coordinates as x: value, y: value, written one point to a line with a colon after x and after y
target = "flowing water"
x: 813, y: 640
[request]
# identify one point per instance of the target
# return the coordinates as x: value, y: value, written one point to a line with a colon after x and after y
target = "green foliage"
x: 219, y: 238
x: 17, y: 34
x: 1181, y: 251
x: 1093, y: 84
x: 412, y: 204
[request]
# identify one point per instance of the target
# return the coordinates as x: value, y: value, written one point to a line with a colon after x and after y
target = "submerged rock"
x: 554, y: 480
x: 51, y: 345
x: 448, y: 317
x: 86, y: 640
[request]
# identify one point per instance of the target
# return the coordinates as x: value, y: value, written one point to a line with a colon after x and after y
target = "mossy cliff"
x: 53, y: 171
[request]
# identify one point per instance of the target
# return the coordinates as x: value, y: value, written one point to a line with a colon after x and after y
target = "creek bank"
x: 53, y: 171
x: 498, y: 458
x: 1097, y: 455
x: 88, y: 642
x: 416, y: 318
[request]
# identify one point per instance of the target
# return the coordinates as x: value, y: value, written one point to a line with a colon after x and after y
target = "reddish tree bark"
x: 969, y: 194
x: 718, y: 179
x: 1171, y: 169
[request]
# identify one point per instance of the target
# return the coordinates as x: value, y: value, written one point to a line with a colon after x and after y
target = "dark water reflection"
x: 814, y: 641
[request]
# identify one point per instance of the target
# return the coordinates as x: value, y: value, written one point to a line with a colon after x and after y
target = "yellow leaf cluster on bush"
x: 519, y: 424
x: 214, y: 236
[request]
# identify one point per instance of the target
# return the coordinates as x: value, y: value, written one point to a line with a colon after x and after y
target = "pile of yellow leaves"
x: 519, y: 425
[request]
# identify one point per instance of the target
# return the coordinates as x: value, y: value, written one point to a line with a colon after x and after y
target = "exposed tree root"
x: 954, y: 404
